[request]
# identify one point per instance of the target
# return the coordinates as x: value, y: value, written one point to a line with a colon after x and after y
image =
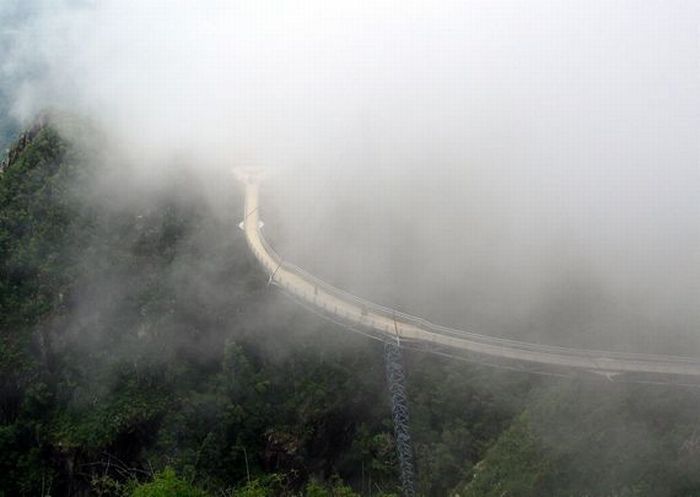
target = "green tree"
x: 167, y: 484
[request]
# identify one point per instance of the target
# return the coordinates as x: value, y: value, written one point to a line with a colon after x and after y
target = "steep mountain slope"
x: 141, y: 349
x: 137, y: 332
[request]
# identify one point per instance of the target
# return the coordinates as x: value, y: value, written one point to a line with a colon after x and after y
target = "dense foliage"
x: 142, y: 353
x: 138, y: 333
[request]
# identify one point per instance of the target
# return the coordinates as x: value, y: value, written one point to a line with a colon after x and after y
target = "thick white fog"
x: 527, y: 168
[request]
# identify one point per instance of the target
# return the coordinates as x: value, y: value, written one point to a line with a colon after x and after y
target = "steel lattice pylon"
x: 396, y: 381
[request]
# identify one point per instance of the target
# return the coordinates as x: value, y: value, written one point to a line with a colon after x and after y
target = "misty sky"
x: 521, y: 167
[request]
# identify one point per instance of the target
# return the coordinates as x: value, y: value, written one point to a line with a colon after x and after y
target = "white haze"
x: 527, y: 168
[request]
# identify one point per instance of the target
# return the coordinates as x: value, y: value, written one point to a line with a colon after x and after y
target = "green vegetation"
x: 138, y: 334
x: 515, y: 465
x: 142, y: 354
x: 167, y: 484
x: 580, y: 439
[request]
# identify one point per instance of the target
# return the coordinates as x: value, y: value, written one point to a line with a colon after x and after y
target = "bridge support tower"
x: 396, y: 382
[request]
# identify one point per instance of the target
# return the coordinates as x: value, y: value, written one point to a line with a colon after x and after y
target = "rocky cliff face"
x: 22, y: 142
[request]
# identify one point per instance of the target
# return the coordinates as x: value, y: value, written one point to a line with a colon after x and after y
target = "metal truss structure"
x: 396, y: 382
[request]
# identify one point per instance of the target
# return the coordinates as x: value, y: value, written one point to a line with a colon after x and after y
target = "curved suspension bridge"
x: 389, y: 324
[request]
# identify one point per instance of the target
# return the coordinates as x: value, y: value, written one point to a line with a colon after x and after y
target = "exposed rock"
x: 22, y: 142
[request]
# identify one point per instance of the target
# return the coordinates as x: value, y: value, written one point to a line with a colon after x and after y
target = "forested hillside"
x: 142, y: 353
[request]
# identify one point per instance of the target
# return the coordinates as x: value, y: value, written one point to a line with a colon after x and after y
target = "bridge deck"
x: 390, y: 323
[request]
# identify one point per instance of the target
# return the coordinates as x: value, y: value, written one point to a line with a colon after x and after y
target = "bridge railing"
x: 402, y: 319
x: 272, y: 253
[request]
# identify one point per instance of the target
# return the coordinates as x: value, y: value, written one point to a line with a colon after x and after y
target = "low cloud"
x: 518, y: 168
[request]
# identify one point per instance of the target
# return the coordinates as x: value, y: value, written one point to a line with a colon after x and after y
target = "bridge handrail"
x: 403, y: 318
